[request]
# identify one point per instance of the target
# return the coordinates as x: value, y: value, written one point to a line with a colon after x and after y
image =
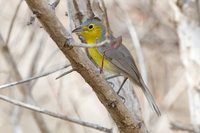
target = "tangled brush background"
x: 163, y: 37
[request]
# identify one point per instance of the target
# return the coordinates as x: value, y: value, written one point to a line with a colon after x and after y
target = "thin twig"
x: 33, y: 78
x: 97, y: 9
x: 198, y: 10
x: 113, y: 76
x: 37, y: 56
x: 72, y: 6
x: 16, y: 115
x: 13, y: 21
x: 45, y: 64
x: 89, y: 12
x: 174, y: 93
x: 84, y: 45
x: 178, y: 126
x: 53, y: 114
x: 29, y: 43
x: 65, y: 73
x: 105, y: 19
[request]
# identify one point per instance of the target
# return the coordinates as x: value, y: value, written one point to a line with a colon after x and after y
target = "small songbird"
x: 113, y: 57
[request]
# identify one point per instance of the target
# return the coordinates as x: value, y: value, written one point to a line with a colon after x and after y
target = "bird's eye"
x: 91, y: 26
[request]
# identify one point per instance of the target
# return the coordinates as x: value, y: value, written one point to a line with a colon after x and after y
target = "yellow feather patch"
x: 91, y: 36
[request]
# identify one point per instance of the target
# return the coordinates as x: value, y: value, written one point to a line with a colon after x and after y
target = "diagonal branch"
x: 12, y: 22
x: 32, y: 78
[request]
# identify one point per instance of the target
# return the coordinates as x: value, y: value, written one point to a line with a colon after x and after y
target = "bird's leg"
x: 102, y: 63
x: 114, y: 44
x: 121, y: 86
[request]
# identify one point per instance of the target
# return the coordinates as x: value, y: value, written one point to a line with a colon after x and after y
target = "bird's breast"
x: 98, y: 58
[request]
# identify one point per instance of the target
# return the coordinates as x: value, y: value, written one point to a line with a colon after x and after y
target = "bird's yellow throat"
x: 91, y: 38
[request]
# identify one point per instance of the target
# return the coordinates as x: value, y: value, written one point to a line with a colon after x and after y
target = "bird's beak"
x: 78, y: 29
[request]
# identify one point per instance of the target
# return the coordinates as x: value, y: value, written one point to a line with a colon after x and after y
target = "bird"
x: 113, y: 57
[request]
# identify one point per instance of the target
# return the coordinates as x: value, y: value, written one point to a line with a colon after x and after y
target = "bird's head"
x: 91, y: 30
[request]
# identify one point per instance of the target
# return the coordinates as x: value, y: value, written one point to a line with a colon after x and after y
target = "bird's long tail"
x: 149, y: 97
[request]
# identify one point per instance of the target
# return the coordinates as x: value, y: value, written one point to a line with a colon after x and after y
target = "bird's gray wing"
x: 121, y: 58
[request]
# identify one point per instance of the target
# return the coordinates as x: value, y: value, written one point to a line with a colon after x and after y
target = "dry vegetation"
x: 163, y: 36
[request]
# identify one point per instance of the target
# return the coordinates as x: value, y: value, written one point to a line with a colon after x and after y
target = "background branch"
x: 13, y: 21
x: 105, y: 19
x: 182, y: 127
x: 56, y: 115
x: 32, y: 78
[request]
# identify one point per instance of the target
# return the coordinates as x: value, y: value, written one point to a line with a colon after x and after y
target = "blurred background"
x: 163, y: 36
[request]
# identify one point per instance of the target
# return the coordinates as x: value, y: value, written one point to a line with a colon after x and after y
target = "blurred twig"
x: 135, y: 40
x: 112, y: 76
x: 33, y: 78
x: 89, y: 12
x: 198, y: 9
x: 182, y: 127
x: 37, y: 56
x: 15, y: 119
x: 97, y: 9
x: 28, y: 43
x: 23, y: 88
x: 53, y: 114
x: 65, y: 73
x: 12, y: 22
x: 138, y: 50
x: 105, y: 19
x: 45, y: 64
x: 72, y: 6
x: 174, y: 93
